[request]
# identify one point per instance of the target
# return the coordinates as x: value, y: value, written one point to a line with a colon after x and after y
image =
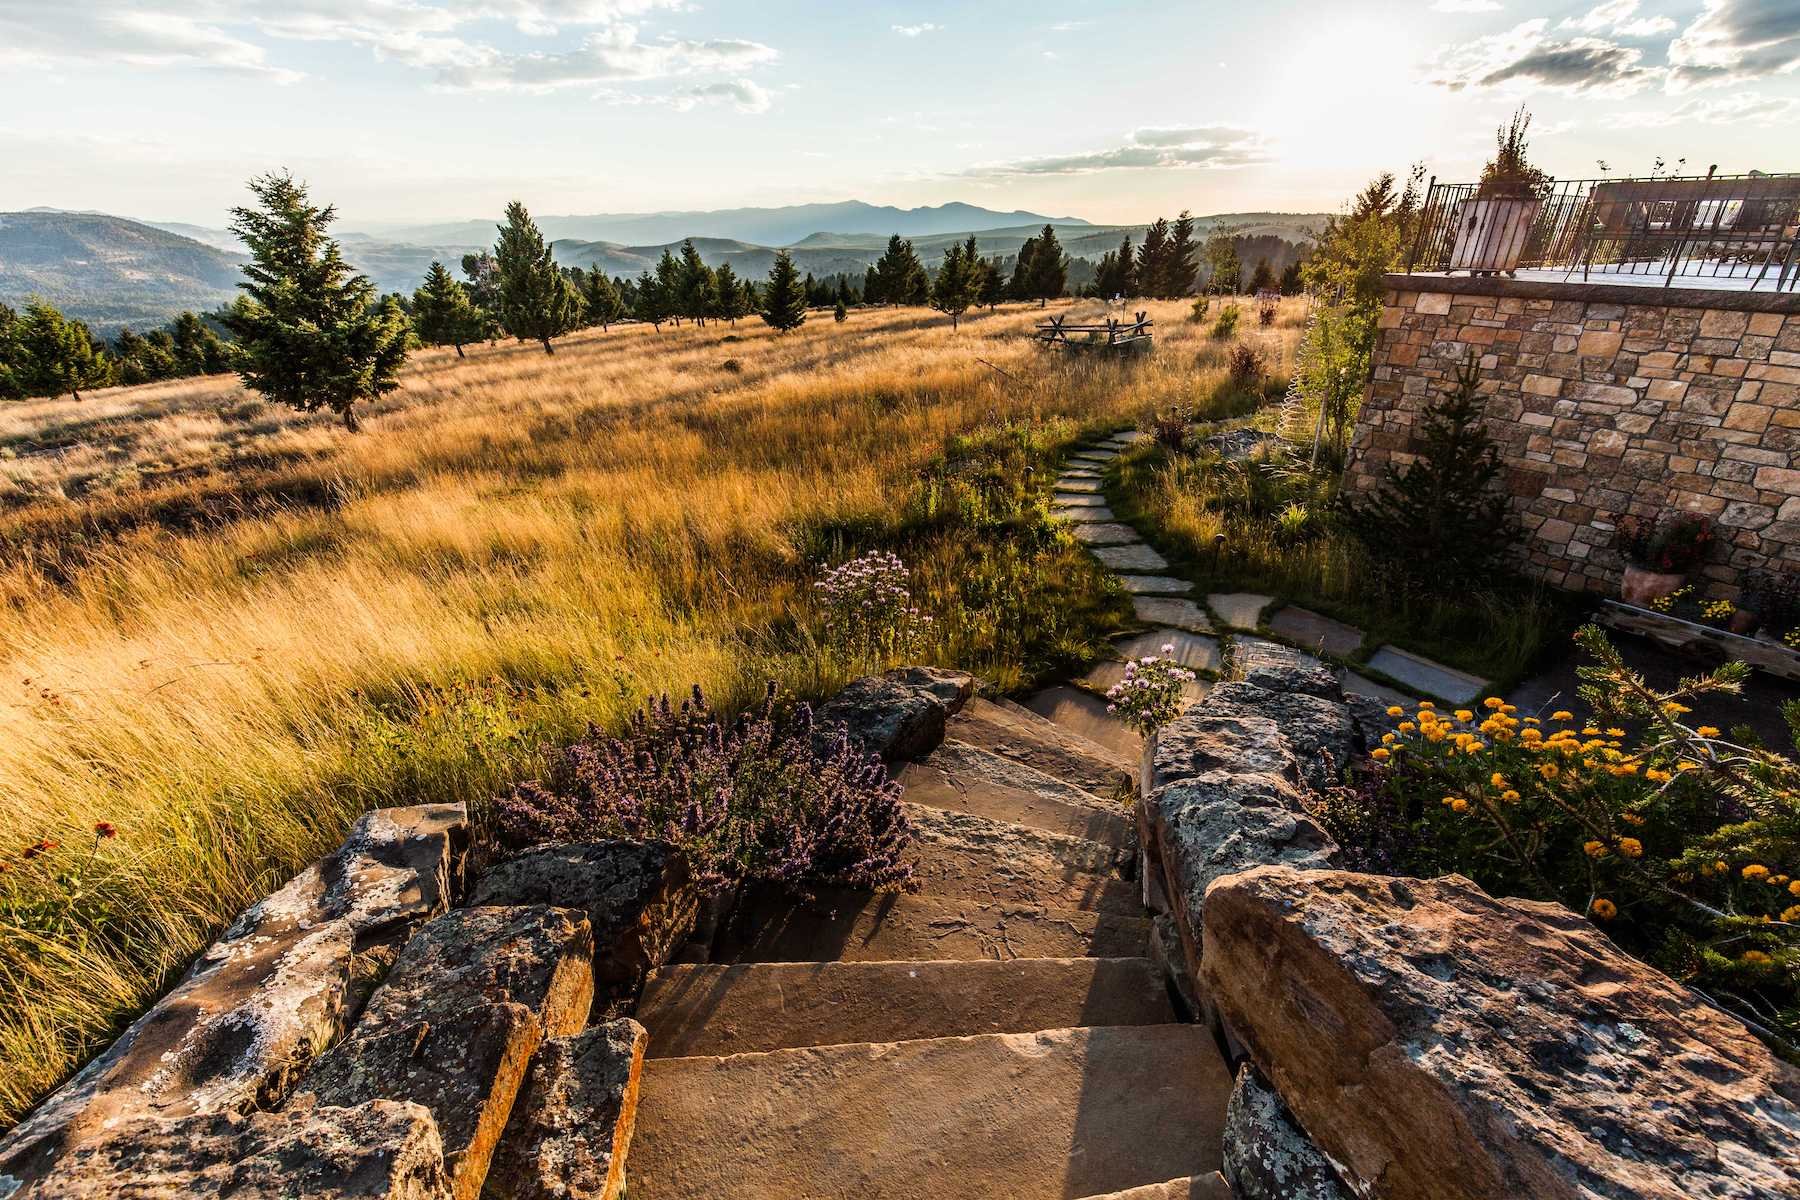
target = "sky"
x: 405, y: 111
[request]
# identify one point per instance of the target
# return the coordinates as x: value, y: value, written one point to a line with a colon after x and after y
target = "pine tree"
x: 1291, y: 282
x: 537, y: 301
x: 309, y: 330
x: 668, y: 283
x: 483, y: 275
x: 1176, y: 278
x: 728, y: 295
x: 898, y: 276
x: 1153, y: 259
x: 993, y: 283
x: 696, y: 289
x: 55, y: 354
x: 1262, y: 279
x: 443, y: 313
x: 840, y: 314
x: 11, y: 388
x: 198, y: 350
x: 958, y: 281
x: 1049, y: 268
x: 1019, y: 287
x: 784, y: 300
x: 1441, y: 516
x: 600, y: 299
x: 871, y: 286
x: 650, y: 305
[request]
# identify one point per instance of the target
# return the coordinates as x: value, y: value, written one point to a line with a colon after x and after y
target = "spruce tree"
x: 1291, y: 282
x: 650, y: 305
x: 198, y: 350
x: 1440, y: 516
x: 600, y: 298
x: 1263, y: 277
x: 872, y: 287
x: 728, y: 295
x: 443, y: 313
x: 10, y: 386
x: 958, y: 281
x: 784, y: 299
x: 537, y: 301
x: 1153, y: 259
x: 309, y: 330
x: 993, y: 283
x: 1019, y: 287
x: 1176, y: 277
x: 668, y: 283
x: 1049, y: 268
x: 696, y: 289
x: 898, y: 275
x: 840, y: 314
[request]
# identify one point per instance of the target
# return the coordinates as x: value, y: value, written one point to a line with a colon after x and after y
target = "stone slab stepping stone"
x: 742, y: 1008
x: 1080, y: 473
x: 1128, y: 438
x: 1240, y: 610
x: 1081, y: 486
x: 1316, y: 631
x: 963, y: 778
x: 1197, y: 1187
x: 1194, y: 651
x: 1085, y: 715
x: 1105, y: 534
x: 1252, y: 652
x: 1006, y: 1116
x: 1423, y: 675
x: 1155, y: 585
x: 1106, y: 674
x: 1015, y: 732
x: 1097, y: 458
x: 1362, y: 685
x: 1076, y: 500
x: 1131, y: 558
x: 970, y: 857
x: 770, y: 925
x: 1162, y: 610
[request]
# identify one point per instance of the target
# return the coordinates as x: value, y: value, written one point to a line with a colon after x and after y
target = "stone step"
x: 958, y: 778
x: 1167, y: 610
x: 1423, y: 675
x: 1135, y: 557
x: 1240, y: 610
x: 737, y: 1009
x: 771, y: 925
x: 1084, y: 714
x: 1051, y: 1115
x: 1155, y: 585
x: 959, y: 854
x: 1044, y: 744
x: 1211, y: 1186
x: 1105, y: 533
x: 1316, y: 631
x: 1105, y: 675
x: 1197, y: 652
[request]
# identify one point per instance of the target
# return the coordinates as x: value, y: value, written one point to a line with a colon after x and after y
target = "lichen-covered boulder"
x: 378, y: 1151
x: 639, y: 897
x: 1438, y: 1043
x: 571, y: 1126
x: 1268, y: 1156
x: 276, y: 987
x: 899, y: 715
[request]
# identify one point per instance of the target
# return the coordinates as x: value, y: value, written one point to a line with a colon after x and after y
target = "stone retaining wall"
x: 1605, y: 400
x: 1417, y: 1039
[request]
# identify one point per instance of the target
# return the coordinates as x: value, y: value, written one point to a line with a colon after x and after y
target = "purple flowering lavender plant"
x: 869, y: 608
x: 767, y: 797
x: 1149, y: 696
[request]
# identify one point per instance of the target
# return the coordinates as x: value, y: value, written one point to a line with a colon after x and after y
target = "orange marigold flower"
x: 1794, y: 888
x: 1394, y: 710
x: 1594, y: 849
x: 1605, y: 909
x: 1755, y: 871
x: 1379, y: 754
x: 1549, y: 770
x: 1459, y: 805
x: 1492, y: 702
x: 1631, y: 848
x: 1708, y: 731
x: 1562, y: 714
x: 1510, y: 796
x: 1791, y: 915
x: 1463, y: 714
x: 1497, y: 779
x: 1755, y: 958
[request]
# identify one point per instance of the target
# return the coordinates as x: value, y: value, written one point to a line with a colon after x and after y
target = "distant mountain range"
x: 111, y: 271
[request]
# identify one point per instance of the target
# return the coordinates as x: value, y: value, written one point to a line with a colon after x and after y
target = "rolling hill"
x: 109, y: 271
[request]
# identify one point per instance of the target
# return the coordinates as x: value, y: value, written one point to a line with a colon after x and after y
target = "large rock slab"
x: 1084, y: 714
x: 455, y: 1025
x: 898, y: 715
x: 639, y: 897
x: 1423, y: 675
x: 1130, y: 558
x: 1240, y: 610
x: 383, y: 1150
x: 960, y: 854
x: 275, y: 989
x: 571, y: 1128
x: 1211, y: 1186
x: 1315, y: 631
x: 1437, y: 1042
x: 1181, y: 614
x: 1016, y: 732
x: 1268, y: 1156
x: 1155, y: 585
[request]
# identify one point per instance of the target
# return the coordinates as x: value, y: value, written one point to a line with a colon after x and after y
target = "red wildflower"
x: 43, y: 847
x: 105, y: 829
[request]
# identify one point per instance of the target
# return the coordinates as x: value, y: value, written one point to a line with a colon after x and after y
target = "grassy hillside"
x: 226, y: 629
x: 108, y: 271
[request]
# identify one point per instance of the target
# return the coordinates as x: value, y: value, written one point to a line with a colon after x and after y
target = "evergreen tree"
x: 309, y: 331
x: 10, y: 386
x: 728, y: 295
x: 483, y: 275
x: 784, y: 300
x: 1440, y: 516
x: 668, y: 284
x: 650, y: 305
x: 144, y: 359
x: 696, y: 289
x: 1116, y: 275
x: 898, y: 275
x: 1176, y: 277
x: 840, y: 314
x: 537, y: 301
x: 600, y: 299
x: 53, y: 354
x: 443, y: 313
x: 958, y: 281
x: 843, y: 296
x: 871, y: 286
x: 1224, y: 269
x: 1019, y: 287
x: 993, y: 283
x: 1049, y: 268
x: 1291, y: 284
x: 198, y: 350
x: 1153, y: 259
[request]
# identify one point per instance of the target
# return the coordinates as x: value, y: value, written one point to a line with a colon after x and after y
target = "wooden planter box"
x: 1677, y: 633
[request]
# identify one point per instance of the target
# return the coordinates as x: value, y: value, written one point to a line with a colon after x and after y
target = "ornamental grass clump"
x: 869, y: 608
x: 767, y: 796
x: 1150, y: 695
x: 1682, y: 842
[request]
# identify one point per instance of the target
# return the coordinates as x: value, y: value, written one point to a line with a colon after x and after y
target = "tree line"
x: 44, y: 353
x: 1170, y: 264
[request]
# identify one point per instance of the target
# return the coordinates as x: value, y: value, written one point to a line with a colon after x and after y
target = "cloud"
x: 38, y: 35
x: 1209, y: 146
x: 1742, y: 109
x: 611, y: 55
x: 913, y: 31
x: 1732, y: 41
x: 1070, y: 26
x: 1528, y: 54
x: 743, y: 94
x: 1465, y: 6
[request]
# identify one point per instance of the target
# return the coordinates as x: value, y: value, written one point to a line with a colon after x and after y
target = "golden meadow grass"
x: 227, y: 629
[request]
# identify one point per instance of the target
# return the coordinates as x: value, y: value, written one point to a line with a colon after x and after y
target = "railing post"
x: 1413, y: 253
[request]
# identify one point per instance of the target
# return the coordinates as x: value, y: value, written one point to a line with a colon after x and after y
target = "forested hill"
x: 109, y: 271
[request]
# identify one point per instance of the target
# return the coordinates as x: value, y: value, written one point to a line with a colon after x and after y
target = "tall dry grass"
x: 225, y: 629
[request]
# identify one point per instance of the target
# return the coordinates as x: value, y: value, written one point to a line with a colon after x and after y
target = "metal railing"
x: 1734, y: 231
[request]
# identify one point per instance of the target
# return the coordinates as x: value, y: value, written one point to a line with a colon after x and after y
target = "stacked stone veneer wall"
x: 1605, y: 400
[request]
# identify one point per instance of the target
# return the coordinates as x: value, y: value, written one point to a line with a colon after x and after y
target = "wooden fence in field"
x: 1115, y: 336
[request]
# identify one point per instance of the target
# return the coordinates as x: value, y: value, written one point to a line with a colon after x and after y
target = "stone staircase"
x: 1002, y: 1033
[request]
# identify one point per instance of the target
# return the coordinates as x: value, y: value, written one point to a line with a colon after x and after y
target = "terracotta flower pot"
x: 1640, y: 586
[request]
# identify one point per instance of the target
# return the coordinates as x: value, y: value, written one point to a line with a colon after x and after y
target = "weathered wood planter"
x: 1113, y: 337
x: 1681, y: 634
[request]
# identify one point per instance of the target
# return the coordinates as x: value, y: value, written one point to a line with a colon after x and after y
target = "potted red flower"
x: 1660, y: 555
